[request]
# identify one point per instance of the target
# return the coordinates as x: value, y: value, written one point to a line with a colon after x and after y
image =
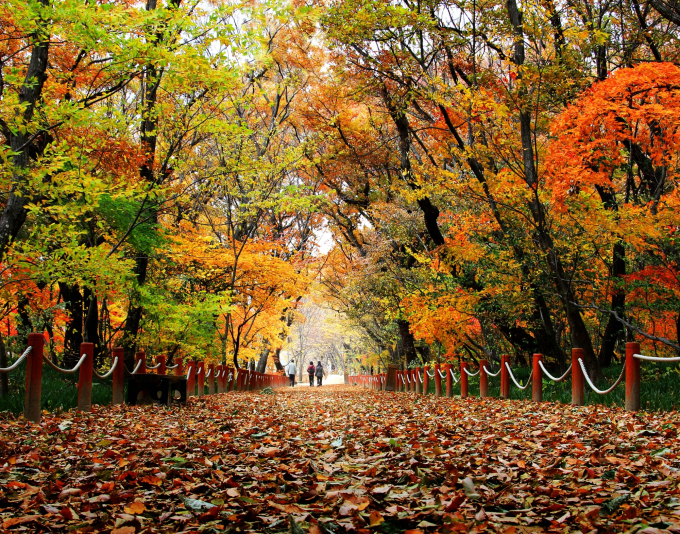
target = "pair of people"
x: 315, y: 371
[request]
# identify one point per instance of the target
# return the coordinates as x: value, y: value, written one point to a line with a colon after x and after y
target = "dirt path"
x: 342, y: 459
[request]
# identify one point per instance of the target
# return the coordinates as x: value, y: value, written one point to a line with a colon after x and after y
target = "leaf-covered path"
x: 339, y: 459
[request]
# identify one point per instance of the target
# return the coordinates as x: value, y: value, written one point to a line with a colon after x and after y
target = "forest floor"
x: 342, y: 459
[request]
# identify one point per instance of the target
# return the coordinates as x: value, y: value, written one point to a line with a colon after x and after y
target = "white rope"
x: 490, y: 373
x: 507, y: 365
x: 420, y: 377
x: 16, y: 363
x: 231, y: 376
x: 442, y: 375
x: 153, y: 366
x: 139, y: 364
x: 408, y: 377
x: 199, y: 371
x: 469, y: 373
x: 655, y: 359
x: 431, y: 375
x: 456, y: 380
x: 191, y: 368
x: 172, y: 366
x: 109, y: 372
x: 208, y: 373
x: 599, y: 391
x: 546, y: 373
x: 65, y: 371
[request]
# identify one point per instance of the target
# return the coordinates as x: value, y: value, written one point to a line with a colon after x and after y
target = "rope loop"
x: 469, y: 373
x: 456, y: 380
x: 590, y: 383
x: 65, y: 371
x: 490, y: 373
x: 18, y: 362
x: 109, y: 372
x: 442, y: 375
x: 151, y: 367
x: 172, y: 366
x: 431, y: 375
x: 654, y: 358
x: 551, y: 377
x: 507, y: 366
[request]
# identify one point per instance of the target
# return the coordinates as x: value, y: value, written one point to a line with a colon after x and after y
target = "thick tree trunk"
x: 407, y: 341
x: 73, y: 335
x: 14, y: 212
x: 614, y: 328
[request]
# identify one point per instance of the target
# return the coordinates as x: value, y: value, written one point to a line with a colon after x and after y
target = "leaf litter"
x: 342, y: 459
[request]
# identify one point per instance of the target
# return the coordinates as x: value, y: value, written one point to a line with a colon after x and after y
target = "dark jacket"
x: 319, y: 371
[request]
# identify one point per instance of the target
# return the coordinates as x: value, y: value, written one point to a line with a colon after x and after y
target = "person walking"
x: 319, y: 373
x: 310, y: 371
x: 291, y: 370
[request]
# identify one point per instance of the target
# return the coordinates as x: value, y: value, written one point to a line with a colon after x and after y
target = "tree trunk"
x: 614, y: 328
x: 73, y: 335
x: 407, y: 341
x: 14, y: 213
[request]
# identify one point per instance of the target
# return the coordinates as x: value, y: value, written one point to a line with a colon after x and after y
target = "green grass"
x: 59, y: 391
x: 659, y: 387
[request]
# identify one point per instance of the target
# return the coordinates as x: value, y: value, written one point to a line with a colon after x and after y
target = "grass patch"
x: 59, y: 391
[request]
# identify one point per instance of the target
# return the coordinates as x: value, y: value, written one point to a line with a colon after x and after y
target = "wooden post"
x: 426, y: 380
x: 200, y: 378
x: 34, y: 362
x: 118, y: 395
x: 483, y: 379
x: 419, y: 384
x: 463, y: 380
x: 577, y: 385
x: 220, y: 379
x: 398, y: 380
x: 632, y: 377
x: 162, y: 362
x: 211, y: 379
x: 437, y: 380
x: 505, y: 377
x: 85, y: 378
x: 537, y: 384
x: 140, y: 357
x: 191, y: 379
x: 179, y: 370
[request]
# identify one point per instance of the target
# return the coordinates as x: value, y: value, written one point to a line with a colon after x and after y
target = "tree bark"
x: 407, y: 341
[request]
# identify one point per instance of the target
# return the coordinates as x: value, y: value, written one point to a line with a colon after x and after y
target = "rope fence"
x: 145, y: 383
x: 418, y: 381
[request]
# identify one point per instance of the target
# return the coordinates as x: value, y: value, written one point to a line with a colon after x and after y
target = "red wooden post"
x: 179, y: 370
x: 437, y: 380
x: 191, y: 379
x: 118, y: 395
x: 537, y: 384
x: 34, y: 363
x: 162, y: 362
x: 85, y: 378
x: 140, y: 357
x: 211, y: 379
x: 228, y: 378
x: 505, y: 377
x: 577, y: 385
x: 449, y: 380
x: 463, y: 380
x: 238, y: 379
x: 483, y: 379
x: 200, y: 378
x: 398, y: 388
x: 426, y: 380
x: 632, y: 377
